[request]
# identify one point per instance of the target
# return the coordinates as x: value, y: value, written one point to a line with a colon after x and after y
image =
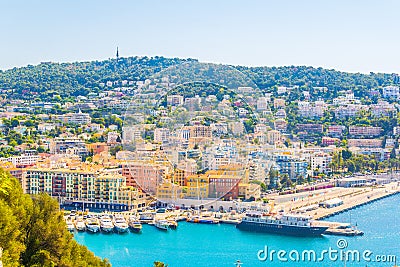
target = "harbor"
x: 222, y: 244
x: 317, y: 206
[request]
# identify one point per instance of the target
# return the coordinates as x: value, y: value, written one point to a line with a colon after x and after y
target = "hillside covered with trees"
x: 33, y: 231
x: 47, y: 80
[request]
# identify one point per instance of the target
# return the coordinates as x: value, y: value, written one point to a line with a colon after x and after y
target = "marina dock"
x: 309, y: 203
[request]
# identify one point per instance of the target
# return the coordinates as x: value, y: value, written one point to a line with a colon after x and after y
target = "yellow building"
x: 132, y: 197
x: 247, y: 191
x: 169, y: 191
x: 197, y: 186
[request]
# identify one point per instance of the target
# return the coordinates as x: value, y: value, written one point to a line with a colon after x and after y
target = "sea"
x: 224, y: 245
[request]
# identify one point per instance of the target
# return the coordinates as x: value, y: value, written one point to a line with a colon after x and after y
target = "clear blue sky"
x: 348, y: 35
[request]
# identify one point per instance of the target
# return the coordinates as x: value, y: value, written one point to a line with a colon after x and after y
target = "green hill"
x: 72, y: 79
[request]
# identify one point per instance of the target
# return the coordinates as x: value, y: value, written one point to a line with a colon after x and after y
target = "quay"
x: 311, y: 203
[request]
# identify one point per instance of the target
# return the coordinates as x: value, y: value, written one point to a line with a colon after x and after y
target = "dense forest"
x: 80, y: 78
x: 33, y: 231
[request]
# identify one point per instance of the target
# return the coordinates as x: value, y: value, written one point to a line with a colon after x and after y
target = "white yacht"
x: 120, y: 224
x: 162, y: 224
x: 93, y: 225
x: 106, y: 224
x: 80, y: 224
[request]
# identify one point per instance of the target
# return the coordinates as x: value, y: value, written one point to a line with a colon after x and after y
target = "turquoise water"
x: 222, y: 245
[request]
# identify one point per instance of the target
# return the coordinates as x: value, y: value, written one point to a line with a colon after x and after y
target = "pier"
x: 309, y: 203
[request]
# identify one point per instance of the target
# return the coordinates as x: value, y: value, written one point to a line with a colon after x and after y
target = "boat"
x: 134, y: 224
x: 70, y: 226
x: 344, y: 232
x: 146, y: 217
x: 106, y: 224
x: 80, y: 224
x: 172, y: 224
x: 92, y: 224
x: 284, y: 224
x: 200, y: 219
x: 162, y: 224
x: 120, y: 224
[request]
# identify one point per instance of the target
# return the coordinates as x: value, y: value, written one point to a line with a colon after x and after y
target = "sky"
x: 347, y: 35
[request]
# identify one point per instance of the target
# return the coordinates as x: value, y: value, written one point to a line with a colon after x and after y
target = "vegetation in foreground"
x: 33, y: 231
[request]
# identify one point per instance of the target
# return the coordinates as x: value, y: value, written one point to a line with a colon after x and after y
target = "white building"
x: 262, y: 104
x: 161, y: 135
x: 391, y: 92
x: 174, y: 100
x: 320, y: 162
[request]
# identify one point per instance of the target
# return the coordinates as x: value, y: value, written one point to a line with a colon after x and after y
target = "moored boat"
x: 284, y: 224
x: 172, y: 224
x: 200, y: 219
x: 92, y: 225
x: 106, y: 224
x: 120, y: 224
x: 147, y: 217
x: 70, y: 226
x: 134, y: 224
x: 162, y: 224
x: 80, y: 224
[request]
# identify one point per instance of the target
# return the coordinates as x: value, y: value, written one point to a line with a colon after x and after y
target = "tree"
x: 346, y: 154
x: 33, y: 231
x: 273, y: 178
x: 14, y: 122
x: 393, y: 153
x: 286, y: 182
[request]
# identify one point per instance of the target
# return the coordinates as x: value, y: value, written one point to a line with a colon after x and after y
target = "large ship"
x: 284, y: 224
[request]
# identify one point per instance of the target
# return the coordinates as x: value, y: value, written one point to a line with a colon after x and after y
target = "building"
x: 223, y: 185
x: 249, y: 191
x: 391, y: 92
x: 320, y: 162
x: 131, y: 134
x: 236, y: 127
x: 174, y: 100
x: 351, y: 182
x: 76, y: 118
x: 279, y: 103
x: 346, y: 111
x: 310, y: 128
x: 68, y: 145
x: 335, y: 130
x: 291, y: 165
x: 280, y: 125
x: 161, y: 135
x: 197, y: 186
x: 273, y: 137
x: 262, y: 104
x: 84, y: 187
x: 329, y: 141
x: 311, y: 110
x: 367, y: 131
x: 168, y: 191
x: 113, y: 138
x: 383, y: 108
x: 26, y: 159
x: 145, y: 175
x: 280, y: 114
x: 364, y: 143
x: 46, y: 127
